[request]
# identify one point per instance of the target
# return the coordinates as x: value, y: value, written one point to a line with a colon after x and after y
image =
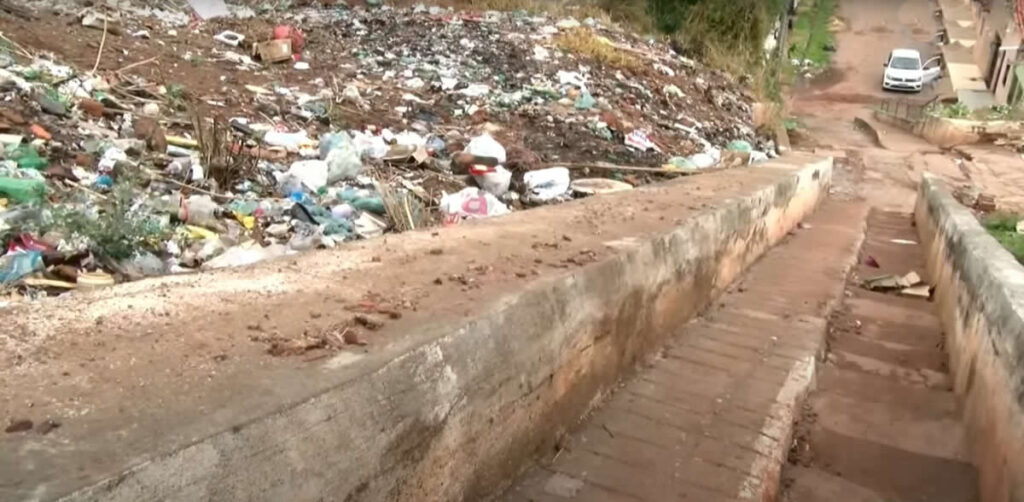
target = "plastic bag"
x: 546, y: 184
x: 14, y: 266
x: 739, y: 145
x: 369, y: 145
x: 22, y: 190
x: 471, y: 203
x: 312, y: 173
x: 342, y: 156
x: 638, y: 139
x: 292, y: 141
x: 497, y: 179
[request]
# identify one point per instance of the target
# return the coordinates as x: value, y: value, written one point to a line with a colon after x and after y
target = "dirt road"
x: 887, y: 175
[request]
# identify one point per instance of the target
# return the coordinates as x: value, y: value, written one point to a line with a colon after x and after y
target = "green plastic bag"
x: 739, y: 146
x: 22, y: 190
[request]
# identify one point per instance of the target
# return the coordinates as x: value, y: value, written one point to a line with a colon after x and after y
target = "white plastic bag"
x: 497, y: 179
x: 470, y: 203
x: 312, y: 173
x: 546, y: 184
x: 292, y: 141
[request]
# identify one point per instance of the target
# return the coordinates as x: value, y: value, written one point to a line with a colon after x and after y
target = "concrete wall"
x: 946, y: 132
x: 455, y: 417
x: 980, y: 295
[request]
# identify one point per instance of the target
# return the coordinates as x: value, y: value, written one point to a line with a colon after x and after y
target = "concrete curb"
x: 980, y: 294
x: 457, y: 416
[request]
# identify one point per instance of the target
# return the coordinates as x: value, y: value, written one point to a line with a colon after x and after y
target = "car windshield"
x: 899, y: 63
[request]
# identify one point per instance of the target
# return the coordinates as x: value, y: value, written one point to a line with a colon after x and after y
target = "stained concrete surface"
x: 980, y: 296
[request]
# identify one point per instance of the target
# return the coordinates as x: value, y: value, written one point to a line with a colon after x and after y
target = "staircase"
x: 883, y: 424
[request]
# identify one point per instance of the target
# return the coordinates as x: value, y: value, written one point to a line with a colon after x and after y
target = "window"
x: 903, y: 63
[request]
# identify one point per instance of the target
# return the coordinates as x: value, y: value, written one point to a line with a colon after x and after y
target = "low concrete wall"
x: 947, y: 132
x: 980, y: 294
x: 456, y: 416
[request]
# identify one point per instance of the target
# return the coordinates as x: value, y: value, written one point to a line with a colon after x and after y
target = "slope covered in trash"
x: 148, y: 140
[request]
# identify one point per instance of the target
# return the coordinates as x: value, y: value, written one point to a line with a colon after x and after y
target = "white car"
x: 904, y: 71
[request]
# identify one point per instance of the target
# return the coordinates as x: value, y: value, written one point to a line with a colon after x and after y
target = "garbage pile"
x: 305, y: 128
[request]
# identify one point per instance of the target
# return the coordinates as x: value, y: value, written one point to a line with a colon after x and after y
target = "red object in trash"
x: 284, y: 31
x: 26, y: 242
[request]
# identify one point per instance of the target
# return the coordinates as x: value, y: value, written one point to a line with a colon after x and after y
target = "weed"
x: 117, y: 228
x: 949, y: 111
x: 1003, y: 226
x: 584, y: 42
x: 793, y: 124
x: 176, y: 96
x: 225, y: 166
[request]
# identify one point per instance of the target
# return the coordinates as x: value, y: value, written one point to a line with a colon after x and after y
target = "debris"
x: 890, y: 282
x: 94, y: 280
x: 22, y: 190
x: 986, y: 203
x: 639, y: 140
x: 229, y: 37
x: 739, y: 145
x: 595, y: 186
x: 494, y: 179
x: 293, y: 35
x: 18, y: 425
x: 546, y: 184
x: 273, y: 51
x: 239, y: 164
x: 209, y: 9
x: 471, y: 203
x: 923, y: 291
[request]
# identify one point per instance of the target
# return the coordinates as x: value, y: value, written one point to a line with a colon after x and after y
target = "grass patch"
x: 960, y: 111
x: 811, y: 38
x: 583, y: 42
x: 1003, y: 226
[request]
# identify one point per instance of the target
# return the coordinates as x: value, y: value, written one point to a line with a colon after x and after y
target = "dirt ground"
x: 887, y: 175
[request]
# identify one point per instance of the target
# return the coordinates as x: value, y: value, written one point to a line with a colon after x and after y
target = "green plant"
x: 1003, y: 227
x: 176, y: 96
x: 949, y: 111
x: 116, y: 229
x: 811, y: 38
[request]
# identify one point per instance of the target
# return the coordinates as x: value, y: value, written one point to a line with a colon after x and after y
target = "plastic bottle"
x: 201, y: 210
x: 27, y: 157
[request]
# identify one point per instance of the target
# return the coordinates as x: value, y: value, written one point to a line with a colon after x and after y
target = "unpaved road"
x: 887, y: 176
